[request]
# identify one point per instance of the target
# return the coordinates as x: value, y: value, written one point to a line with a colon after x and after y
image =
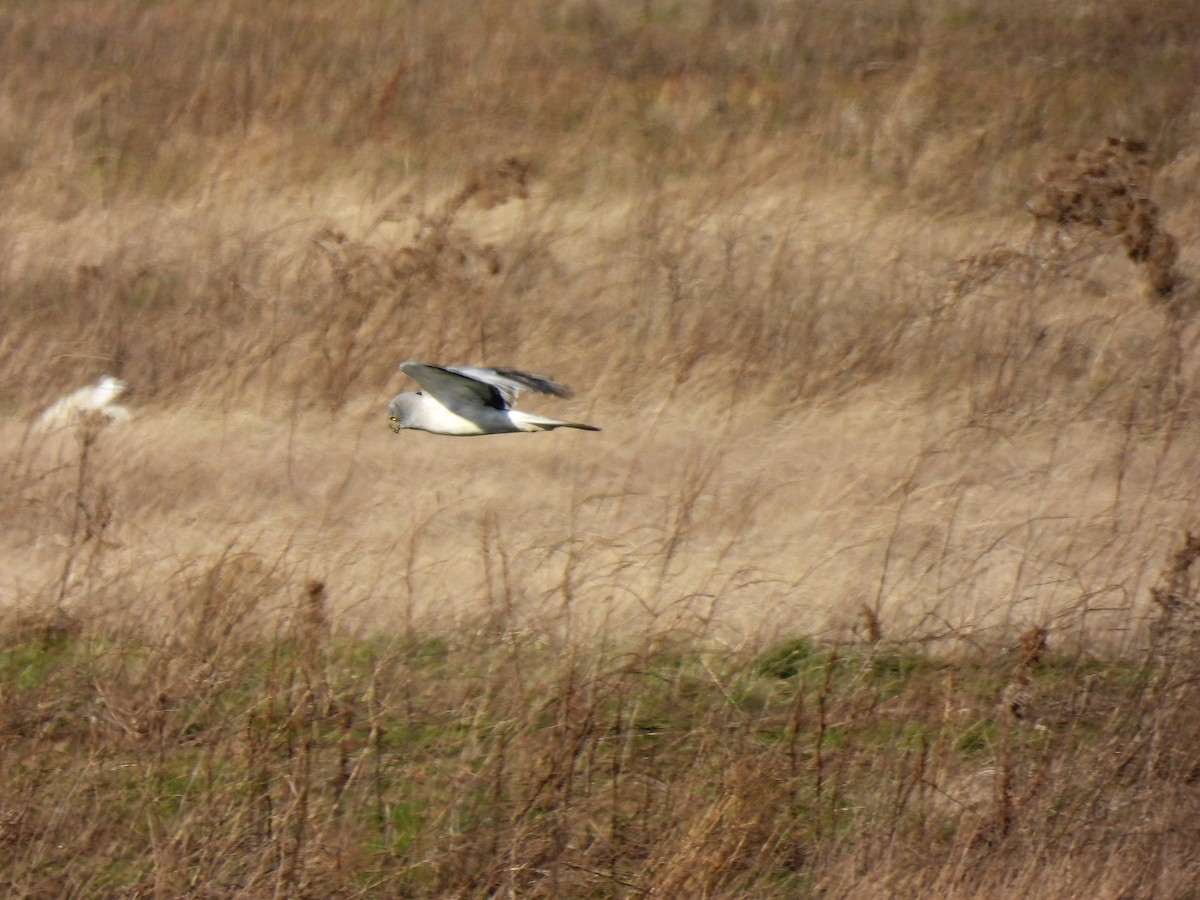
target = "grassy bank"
x: 504, y: 763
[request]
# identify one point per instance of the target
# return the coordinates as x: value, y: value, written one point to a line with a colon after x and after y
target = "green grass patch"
x: 389, y: 748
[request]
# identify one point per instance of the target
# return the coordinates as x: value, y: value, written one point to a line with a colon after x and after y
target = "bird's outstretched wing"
x: 458, y: 386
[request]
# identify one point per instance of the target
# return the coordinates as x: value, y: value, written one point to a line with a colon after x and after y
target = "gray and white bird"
x: 468, y: 400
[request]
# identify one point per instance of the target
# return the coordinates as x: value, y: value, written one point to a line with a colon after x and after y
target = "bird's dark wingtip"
x: 539, y: 383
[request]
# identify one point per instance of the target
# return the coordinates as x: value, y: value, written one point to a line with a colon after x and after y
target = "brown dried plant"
x: 369, y: 288
x: 1178, y: 600
x: 1105, y: 188
x: 443, y: 247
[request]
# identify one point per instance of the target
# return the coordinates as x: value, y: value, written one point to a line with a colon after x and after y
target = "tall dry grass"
x: 878, y: 581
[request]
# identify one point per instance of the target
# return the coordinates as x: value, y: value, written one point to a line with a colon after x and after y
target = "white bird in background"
x: 467, y: 400
x: 97, y: 398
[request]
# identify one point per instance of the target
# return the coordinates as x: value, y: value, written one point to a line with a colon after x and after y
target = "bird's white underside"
x: 96, y: 398
x: 437, y: 418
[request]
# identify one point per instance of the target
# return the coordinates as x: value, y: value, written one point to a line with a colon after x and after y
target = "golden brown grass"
x: 878, y: 581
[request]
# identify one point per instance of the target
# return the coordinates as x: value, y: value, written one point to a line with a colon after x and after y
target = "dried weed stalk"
x: 440, y: 242
x: 1178, y: 600
x: 372, y: 295
x: 1105, y: 188
x: 92, y: 511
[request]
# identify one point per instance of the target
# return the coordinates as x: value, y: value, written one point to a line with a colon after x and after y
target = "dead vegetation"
x: 879, y: 582
x: 1106, y: 189
x: 286, y: 758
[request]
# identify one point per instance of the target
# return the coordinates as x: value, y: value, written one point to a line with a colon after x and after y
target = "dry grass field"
x: 879, y: 581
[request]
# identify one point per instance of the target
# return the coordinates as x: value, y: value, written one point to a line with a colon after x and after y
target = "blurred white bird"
x: 466, y: 400
x: 96, y: 398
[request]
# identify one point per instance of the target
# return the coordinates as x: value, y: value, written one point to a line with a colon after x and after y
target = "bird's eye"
x: 391, y: 418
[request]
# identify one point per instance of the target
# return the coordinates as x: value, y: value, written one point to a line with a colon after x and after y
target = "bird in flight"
x: 467, y: 400
x: 94, y: 399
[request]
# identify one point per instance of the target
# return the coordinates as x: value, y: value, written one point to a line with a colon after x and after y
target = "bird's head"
x: 398, y: 416
x: 107, y: 390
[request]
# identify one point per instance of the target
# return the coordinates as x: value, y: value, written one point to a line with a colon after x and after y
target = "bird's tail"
x: 529, y: 422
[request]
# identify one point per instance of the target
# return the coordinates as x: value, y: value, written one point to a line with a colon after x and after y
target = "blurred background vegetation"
x: 878, y: 582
